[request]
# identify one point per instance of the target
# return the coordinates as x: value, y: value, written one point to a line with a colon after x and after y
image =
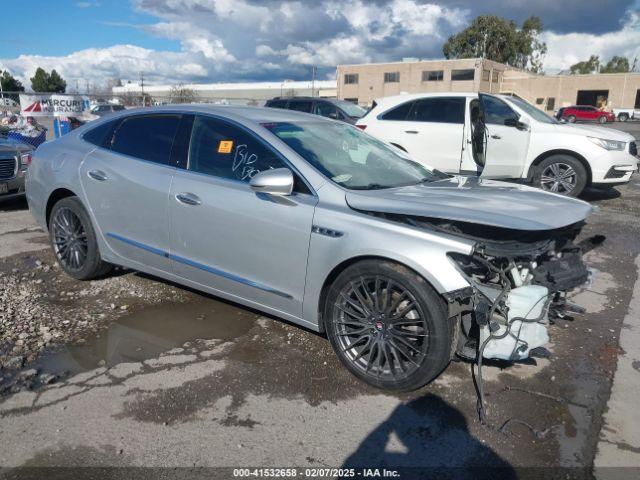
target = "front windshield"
x: 350, y: 157
x: 532, y: 111
x: 351, y: 109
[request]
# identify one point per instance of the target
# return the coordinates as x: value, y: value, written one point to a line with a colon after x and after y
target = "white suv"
x: 499, y: 136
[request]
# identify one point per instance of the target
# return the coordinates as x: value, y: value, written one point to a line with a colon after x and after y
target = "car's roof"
x: 406, y: 97
x: 234, y: 112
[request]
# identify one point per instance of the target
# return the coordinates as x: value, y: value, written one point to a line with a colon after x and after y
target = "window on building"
x: 466, y: 74
x: 539, y: 101
x: 148, y: 137
x: 432, y: 75
x: 352, y: 100
x: 486, y: 75
x: 551, y: 103
x: 226, y: 151
x: 439, y: 110
x: 391, y: 77
x: 495, y: 77
x: 398, y: 113
x: 350, y: 78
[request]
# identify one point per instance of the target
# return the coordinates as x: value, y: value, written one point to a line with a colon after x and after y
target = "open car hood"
x: 475, y: 200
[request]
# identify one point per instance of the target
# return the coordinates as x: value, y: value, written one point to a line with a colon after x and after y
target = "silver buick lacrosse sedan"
x: 316, y: 222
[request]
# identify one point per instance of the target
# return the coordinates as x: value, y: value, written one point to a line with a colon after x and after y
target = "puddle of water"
x: 147, y: 333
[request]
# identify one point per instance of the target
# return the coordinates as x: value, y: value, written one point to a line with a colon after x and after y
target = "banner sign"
x: 53, y: 105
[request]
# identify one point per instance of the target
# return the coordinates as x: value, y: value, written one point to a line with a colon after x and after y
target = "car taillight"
x: 361, y: 127
x: 25, y: 160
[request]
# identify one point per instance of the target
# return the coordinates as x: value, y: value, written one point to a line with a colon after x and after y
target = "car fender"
x: 340, y: 238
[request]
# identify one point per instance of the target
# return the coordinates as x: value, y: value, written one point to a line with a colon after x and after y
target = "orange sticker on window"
x: 225, y: 146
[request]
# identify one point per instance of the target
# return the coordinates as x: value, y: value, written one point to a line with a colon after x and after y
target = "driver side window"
x: 226, y: 151
x: 496, y: 111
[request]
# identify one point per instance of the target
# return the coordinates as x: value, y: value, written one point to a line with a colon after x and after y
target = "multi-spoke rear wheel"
x: 69, y: 239
x: 387, y: 325
x: 74, y: 241
x: 562, y: 174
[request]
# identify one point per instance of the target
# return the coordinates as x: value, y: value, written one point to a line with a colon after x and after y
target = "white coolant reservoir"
x: 529, y: 302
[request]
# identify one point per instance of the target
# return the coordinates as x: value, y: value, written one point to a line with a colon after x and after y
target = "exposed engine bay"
x: 518, y: 283
x: 518, y: 279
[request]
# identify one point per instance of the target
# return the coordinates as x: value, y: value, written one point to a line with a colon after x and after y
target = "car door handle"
x: 188, y: 199
x: 98, y: 175
x: 411, y: 131
x: 497, y: 137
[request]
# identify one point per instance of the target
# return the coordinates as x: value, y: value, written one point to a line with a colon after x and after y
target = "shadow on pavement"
x: 596, y: 194
x: 428, y: 438
x: 13, y: 204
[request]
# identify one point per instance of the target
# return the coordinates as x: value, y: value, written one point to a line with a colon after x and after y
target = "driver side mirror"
x: 514, y: 122
x: 334, y: 115
x: 278, y: 181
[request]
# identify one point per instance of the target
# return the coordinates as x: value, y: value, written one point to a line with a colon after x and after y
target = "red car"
x: 588, y: 113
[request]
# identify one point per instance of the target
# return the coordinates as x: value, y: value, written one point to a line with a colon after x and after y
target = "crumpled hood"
x: 596, y: 131
x: 475, y: 200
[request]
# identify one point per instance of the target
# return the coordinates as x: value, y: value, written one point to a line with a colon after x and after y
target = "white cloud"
x: 226, y: 40
x: 567, y: 49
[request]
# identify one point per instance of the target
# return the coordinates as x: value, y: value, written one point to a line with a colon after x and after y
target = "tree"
x: 498, y: 39
x: 588, y: 66
x: 10, y: 84
x: 180, y: 94
x: 616, y: 65
x: 42, y: 81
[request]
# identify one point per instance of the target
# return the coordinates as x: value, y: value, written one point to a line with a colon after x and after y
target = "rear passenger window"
x: 226, y: 151
x: 439, y: 110
x: 300, y: 106
x: 101, y: 135
x: 401, y: 112
x: 277, y: 104
x: 148, y: 137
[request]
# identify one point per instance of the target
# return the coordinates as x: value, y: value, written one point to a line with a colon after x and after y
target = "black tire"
x: 399, y: 354
x: 69, y: 215
x: 542, y: 175
x: 623, y: 117
x: 602, y: 119
x: 571, y: 119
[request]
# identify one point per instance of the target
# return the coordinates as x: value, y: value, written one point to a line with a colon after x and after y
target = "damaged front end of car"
x: 518, y: 281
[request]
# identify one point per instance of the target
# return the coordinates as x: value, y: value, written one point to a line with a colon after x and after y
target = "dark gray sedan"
x: 14, y: 160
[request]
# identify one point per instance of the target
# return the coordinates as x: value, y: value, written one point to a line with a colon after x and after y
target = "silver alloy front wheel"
x: 559, y: 178
x: 69, y: 239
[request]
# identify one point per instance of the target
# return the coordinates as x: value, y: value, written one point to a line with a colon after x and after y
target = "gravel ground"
x: 130, y: 371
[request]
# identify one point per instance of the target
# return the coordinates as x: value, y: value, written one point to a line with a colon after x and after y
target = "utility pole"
x: 313, y: 81
x: 142, y: 87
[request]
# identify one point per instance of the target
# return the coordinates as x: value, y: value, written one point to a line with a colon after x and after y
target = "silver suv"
x: 316, y: 222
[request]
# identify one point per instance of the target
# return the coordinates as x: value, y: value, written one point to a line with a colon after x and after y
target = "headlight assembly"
x: 608, y: 144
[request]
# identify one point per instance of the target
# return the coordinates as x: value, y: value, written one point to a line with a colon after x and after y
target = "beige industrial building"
x: 364, y: 83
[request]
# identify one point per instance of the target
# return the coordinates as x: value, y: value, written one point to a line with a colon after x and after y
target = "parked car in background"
x: 105, y: 108
x: 325, y: 107
x: 625, y: 114
x: 313, y: 221
x: 15, y: 158
x: 586, y: 113
x: 504, y: 137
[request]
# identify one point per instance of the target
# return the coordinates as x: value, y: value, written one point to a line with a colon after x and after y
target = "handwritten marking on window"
x: 243, y: 165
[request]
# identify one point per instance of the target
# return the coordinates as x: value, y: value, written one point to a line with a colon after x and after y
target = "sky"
x: 201, y: 41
